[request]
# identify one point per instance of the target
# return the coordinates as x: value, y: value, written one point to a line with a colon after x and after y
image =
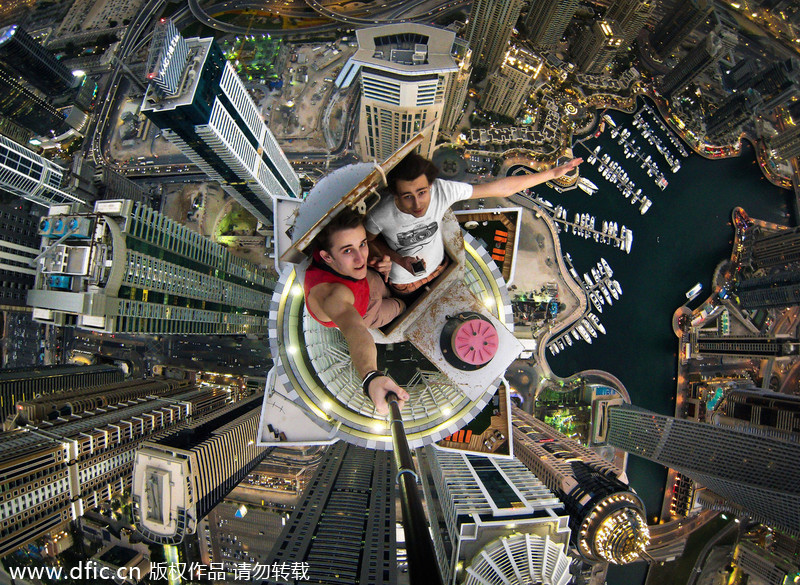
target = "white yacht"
x: 596, y: 322
x: 589, y: 328
x: 607, y: 296
x: 606, y: 268
x: 613, y: 290
x: 583, y: 333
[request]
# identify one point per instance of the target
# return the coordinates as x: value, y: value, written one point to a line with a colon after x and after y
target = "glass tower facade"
x: 213, y: 121
x: 760, y: 474
x: 125, y: 268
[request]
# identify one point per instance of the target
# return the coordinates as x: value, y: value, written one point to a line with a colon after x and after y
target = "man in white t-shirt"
x: 410, y: 222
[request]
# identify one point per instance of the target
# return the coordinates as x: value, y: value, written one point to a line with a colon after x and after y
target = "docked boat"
x: 568, y: 339
x: 694, y: 291
x: 595, y: 274
x: 606, y: 295
x: 616, y: 285
x: 613, y: 290
x: 553, y: 348
x: 596, y: 323
x: 583, y: 333
x: 586, y: 182
x: 589, y: 328
x: 560, y: 344
x: 585, y: 189
x: 596, y: 301
x: 646, y: 203
x: 588, y: 280
x: 606, y: 268
x: 575, y: 335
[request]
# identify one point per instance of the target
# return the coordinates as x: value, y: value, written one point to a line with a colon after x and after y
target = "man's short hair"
x: 412, y: 166
x: 346, y: 219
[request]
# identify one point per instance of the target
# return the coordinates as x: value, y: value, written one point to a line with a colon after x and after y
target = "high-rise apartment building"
x: 405, y: 71
x: 679, y: 24
x: 19, y: 245
x: 547, y: 22
x: 81, y: 398
x: 24, y: 56
x: 179, y: 477
x: 51, y: 473
x: 630, y: 16
x: 778, y: 289
x: 759, y: 410
x: 732, y: 113
x: 26, y: 174
x: 786, y: 145
x: 22, y: 384
x: 344, y: 527
x: 214, y: 122
x: 510, y: 86
x: 746, y: 347
x: 492, y: 520
x: 28, y: 110
x: 703, y: 56
x: 457, y: 86
x: 763, y: 567
x: 607, y: 518
x: 167, y: 58
x: 757, y: 473
x: 489, y: 29
x: 125, y: 268
x: 596, y: 47
x: 778, y: 83
x: 770, y: 249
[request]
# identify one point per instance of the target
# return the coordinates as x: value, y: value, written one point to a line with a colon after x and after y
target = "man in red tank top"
x: 342, y: 291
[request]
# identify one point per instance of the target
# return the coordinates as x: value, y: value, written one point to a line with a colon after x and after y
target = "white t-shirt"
x: 416, y: 236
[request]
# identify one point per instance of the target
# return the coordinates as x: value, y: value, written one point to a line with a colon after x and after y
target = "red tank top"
x: 317, y: 274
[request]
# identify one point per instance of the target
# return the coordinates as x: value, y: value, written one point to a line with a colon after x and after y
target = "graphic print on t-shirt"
x: 416, y: 237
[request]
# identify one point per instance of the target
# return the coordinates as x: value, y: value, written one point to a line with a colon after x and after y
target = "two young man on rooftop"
x: 365, y: 272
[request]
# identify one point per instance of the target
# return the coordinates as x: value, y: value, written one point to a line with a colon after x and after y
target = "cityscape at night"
x: 372, y: 292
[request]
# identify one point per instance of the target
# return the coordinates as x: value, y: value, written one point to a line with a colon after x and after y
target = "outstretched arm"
x: 507, y: 186
x: 339, y: 307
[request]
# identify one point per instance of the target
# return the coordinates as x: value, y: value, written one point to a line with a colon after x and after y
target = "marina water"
x: 677, y: 243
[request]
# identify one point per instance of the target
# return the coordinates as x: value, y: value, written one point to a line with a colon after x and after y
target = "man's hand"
x: 407, y: 261
x: 378, y: 389
x: 381, y: 264
x: 564, y: 169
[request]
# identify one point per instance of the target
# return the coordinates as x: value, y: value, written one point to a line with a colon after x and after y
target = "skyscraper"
x: 167, y: 58
x: 405, y: 71
x: 21, y: 54
x: 59, y: 470
x: 751, y: 346
x: 780, y: 288
x: 489, y: 28
x: 703, y: 56
x: 607, y: 518
x: 178, y: 478
x: 214, y: 122
x: 767, y: 412
x: 759, y: 474
x: 630, y: 16
x: 19, y: 244
x: 786, y: 145
x: 27, y: 109
x: 26, y: 174
x: 492, y: 520
x: 547, y: 21
x: 778, y: 83
x: 125, y: 268
x: 457, y: 86
x: 596, y: 47
x: 23, y: 384
x: 767, y: 249
x: 510, y: 86
x: 679, y: 24
x: 732, y: 113
x: 344, y: 527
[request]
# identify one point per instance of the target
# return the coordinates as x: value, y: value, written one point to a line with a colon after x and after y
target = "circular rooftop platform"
x: 313, y: 362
